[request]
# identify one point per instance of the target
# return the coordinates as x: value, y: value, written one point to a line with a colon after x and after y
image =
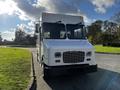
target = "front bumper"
x: 82, y: 68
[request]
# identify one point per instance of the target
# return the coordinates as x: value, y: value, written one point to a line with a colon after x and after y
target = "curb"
x: 108, y: 53
x: 32, y: 84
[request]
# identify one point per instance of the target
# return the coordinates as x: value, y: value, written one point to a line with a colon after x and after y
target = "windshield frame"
x: 66, y: 30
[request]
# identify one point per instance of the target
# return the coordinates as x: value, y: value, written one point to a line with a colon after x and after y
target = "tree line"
x: 103, y: 32
x: 21, y: 38
x: 99, y: 32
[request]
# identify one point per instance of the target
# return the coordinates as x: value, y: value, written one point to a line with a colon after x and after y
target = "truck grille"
x: 73, y: 56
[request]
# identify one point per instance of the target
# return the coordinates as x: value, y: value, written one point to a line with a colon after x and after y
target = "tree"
x: 110, y: 27
x: 111, y: 34
x: 116, y: 18
x: 31, y: 39
x: 20, y: 36
x: 0, y: 38
x: 118, y: 33
x: 111, y: 30
x: 94, y: 32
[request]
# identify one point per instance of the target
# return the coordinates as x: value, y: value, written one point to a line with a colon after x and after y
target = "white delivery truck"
x: 62, y: 44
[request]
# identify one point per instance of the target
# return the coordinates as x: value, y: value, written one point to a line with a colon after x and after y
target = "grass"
x: 106, y: 49
x: 15, y: 65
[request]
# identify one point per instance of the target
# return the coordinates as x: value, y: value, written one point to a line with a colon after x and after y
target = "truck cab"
x: 62, y: 44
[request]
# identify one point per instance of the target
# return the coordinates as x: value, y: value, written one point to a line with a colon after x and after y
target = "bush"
x: 113, y: 44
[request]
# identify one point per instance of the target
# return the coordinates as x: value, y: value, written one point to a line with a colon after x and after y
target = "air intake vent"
x: 73, y: 56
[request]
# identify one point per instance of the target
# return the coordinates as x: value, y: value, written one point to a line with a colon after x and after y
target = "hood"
x: 66, y: 43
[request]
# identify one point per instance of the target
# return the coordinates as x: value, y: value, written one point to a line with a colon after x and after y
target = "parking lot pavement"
x: 109, y: 62
x: 106, y: 78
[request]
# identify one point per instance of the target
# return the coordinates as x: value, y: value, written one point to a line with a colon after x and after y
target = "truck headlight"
x: 58, y: 54
x: 89, y: 53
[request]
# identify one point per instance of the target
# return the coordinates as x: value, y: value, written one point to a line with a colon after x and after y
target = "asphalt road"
x: 106, y: 78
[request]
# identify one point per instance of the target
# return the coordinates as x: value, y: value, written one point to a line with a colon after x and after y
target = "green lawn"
x: 106, y: 49
x: 15, y: 68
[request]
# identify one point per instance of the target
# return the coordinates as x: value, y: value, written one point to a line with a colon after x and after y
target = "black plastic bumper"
x: 84, y: 68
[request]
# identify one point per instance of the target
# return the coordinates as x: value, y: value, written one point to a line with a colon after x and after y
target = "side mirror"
x: 85, y: 31
x: 40, y: 34
x: 37, y: 28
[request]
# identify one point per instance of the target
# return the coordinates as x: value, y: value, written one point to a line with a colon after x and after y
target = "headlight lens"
x: 58, y: 54
x: 89, y: 53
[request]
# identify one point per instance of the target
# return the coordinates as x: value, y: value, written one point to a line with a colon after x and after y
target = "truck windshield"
x: 75, y: 31
x: 54, y: 30
x: 60, y: 31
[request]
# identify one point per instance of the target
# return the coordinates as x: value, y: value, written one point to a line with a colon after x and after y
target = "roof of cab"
x: 64, y: 18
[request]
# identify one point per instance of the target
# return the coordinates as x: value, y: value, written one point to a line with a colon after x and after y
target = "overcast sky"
x: 23, y: 13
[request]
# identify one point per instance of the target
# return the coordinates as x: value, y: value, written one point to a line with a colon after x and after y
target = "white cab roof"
x: 66, y: 19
